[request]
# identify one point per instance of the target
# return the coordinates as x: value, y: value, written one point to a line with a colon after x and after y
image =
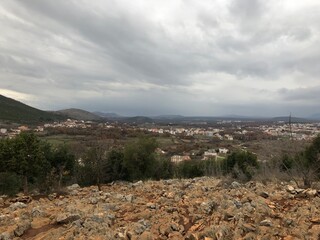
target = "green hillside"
x: 15, y: 111
x: 79, y: 114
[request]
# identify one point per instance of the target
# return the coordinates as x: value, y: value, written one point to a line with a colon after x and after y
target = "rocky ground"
x: 201, y: 208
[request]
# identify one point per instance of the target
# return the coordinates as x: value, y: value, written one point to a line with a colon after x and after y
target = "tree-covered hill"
x: 79, y: 114
x: 15, y: 111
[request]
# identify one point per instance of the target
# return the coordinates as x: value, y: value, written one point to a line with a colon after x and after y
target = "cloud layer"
x: 249, y: 57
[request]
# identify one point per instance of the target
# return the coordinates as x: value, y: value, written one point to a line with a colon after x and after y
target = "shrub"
x: 10, y: 183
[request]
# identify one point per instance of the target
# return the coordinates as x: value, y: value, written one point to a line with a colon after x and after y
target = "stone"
x: 67, y: 218
x: 52, y: 196
x: 93, y: 200
x: 151, y: 205
x: 37, y: 212
x: 17, y: 205
x: 139, y: 183
x: 266, y: 223
x: 235, y: 185
x: 22, y: 228
x: 73, y: 187
x: 264, y: 194
x: 209, y: 206
x: 6, y: 236
x: 248, y: 227
x: 291, y: 189
x: 146, y: 235
x: 129, y: 198
x: 311, y: 192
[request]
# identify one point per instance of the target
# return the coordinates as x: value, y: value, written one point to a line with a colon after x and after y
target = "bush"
x: 10, y: 183
x: 189, y: 169
x: 241, y: 165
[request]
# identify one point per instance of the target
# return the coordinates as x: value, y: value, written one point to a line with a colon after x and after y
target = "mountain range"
x: 15, y: 111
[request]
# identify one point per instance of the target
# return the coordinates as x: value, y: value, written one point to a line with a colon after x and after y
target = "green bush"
x: 241, y: 165
x: 189, y: 169
x: 10, y: 183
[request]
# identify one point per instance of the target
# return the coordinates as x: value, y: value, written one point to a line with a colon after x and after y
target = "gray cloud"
x: 162, y: 57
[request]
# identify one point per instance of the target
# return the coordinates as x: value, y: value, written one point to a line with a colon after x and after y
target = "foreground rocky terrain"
x: 201, y: 208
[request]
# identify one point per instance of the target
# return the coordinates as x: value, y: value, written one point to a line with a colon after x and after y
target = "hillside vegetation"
x: 79, y: 114
x: 12, y: 110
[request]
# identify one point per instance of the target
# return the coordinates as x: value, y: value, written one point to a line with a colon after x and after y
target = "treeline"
x: 27, y: 163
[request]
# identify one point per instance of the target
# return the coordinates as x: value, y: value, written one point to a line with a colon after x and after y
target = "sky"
x: 155, y: 57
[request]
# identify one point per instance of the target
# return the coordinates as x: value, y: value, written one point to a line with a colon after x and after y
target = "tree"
x: 241, y: 163
x: 95, y: 161
x: 307, y: 163
x: 139, y: 158
x: 115, y: 168
x: 26, y: 157
x: 62, y: 162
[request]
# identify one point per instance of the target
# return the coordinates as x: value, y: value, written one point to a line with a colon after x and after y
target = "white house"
x: 178, y: 158
x: 223, y: 150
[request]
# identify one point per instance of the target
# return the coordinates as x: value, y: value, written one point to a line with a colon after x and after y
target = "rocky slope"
x: 201, y: 208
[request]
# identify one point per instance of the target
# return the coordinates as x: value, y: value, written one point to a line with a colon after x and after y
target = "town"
x: 183, y: 142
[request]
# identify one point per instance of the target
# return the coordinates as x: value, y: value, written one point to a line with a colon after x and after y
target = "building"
x: 210, y: 154
x: 3, y: 130
x: 223, y: 150
x: 179, y: 158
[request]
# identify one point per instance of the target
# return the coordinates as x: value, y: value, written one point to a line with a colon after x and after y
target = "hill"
x: 78, y: 114
x: 137, y: 120
x: 107, y: 115
x: 315, y: 116
x: 199, y: 208
x: 15, y: 111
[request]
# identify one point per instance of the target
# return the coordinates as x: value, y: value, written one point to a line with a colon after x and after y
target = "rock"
x: 73, y: 187
x: 174, y: 227
x: 129, y: 198
x: 266, y: 223
x: 21, y: 228
x: 208, y: 206
x: 6, y: 236
x: 17, y: 205
x: 235, y: 185
x: 93, y: 200
x: 315, y: 220
x: 146, y: 236
x: 248, y: 227
x: 264, y: 194
x: 139, y: 228
x: 151, y: 205
x: 23, y: 199
x: 288, y: 222
x: 64, y: 218
x: 1, y: 201
x: 291, y: 189
x: 136, y: 184
x: 52, y: 196
x: 311, y: 192
x: 37, y: 212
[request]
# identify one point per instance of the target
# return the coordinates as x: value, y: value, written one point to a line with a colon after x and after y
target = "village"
x: 187, y: 142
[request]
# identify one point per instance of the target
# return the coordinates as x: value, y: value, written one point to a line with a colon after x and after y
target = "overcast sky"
x: 151, y: 57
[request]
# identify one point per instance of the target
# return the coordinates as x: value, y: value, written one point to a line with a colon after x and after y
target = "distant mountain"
x: 107, y: 115
x: 79, y: 114
x: 315, y: 116
x: 15, y: 111
x: 293, y: 119
x: 168, y: 117
x: 137, y: 120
